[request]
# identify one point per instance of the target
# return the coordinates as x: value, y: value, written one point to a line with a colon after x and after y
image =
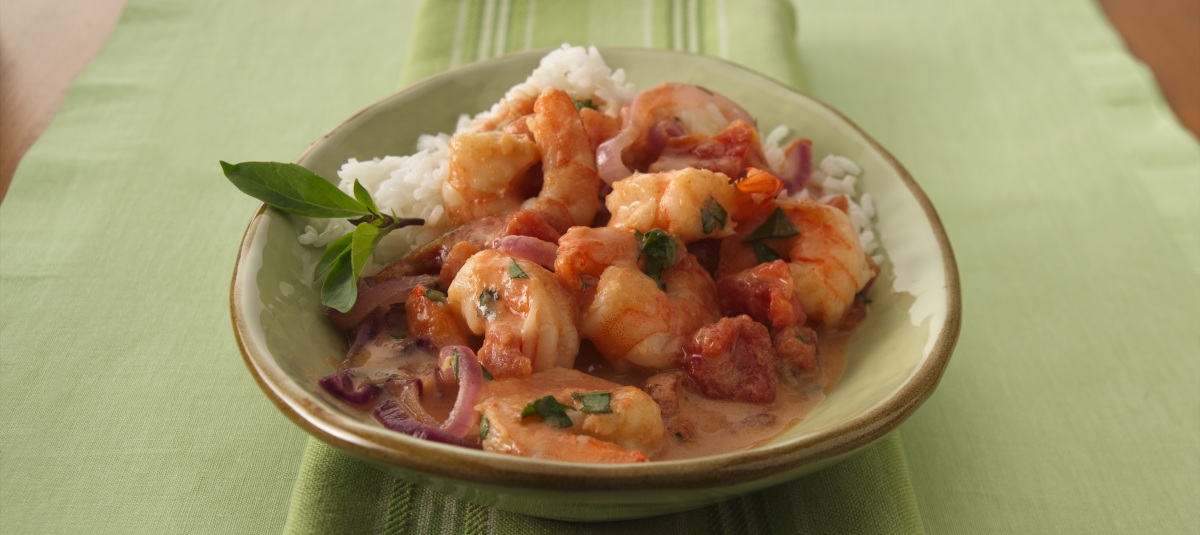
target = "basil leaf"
x: 552, y: 412
x: 594, y: 402
x: 712, y: 216
x: 340, y: 289
x: 764, y: 253
x: 434, y: 295
x: 333, y: 251
x: 515, y: 270
x: 486, y: 374
x: 803, y: 340
x: 366, y: 236
x: 454, y: 364
x: 484, y: 426
x: 360, y: 193
x: 657, y: 247
x: 293, y: 189
x: 581, y: 104
x: 487, y: 304
x: 777, y: 225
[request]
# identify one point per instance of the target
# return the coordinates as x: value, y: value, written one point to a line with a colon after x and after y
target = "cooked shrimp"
x: 502, y: 114
x: 626, y: 315
x: 584, y: 253
x: 487, y: 174
x: 678, y: 108
x: 526, y: 317
x: 826, y: 261
x: 570, y: 192
x: 631, y: 432
x: 430, y: 318
x: 692, y: 204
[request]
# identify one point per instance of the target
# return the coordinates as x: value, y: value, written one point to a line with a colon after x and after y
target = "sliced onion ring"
x: 529, y: 248
x: 394, y: 417
x: 470, y: 388
x: 609, y: 165
x: 339, y: 385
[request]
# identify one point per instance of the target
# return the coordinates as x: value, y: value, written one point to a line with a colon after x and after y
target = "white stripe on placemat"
x: 502, y: 29
x: 693, y: 26
x: 460, y: 23
x: 485, y: 30
x: 677, y: 24
x: 529, y: 18
x: 722, y: 31
x: 648, y: 23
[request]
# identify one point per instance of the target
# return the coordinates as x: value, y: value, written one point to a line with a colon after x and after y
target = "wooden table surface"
x: 45, y: 43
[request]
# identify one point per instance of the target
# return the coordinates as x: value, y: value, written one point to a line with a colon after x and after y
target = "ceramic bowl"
x: 894, y: 360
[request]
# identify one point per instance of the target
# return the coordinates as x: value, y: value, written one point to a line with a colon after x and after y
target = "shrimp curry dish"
x: 622, y: 281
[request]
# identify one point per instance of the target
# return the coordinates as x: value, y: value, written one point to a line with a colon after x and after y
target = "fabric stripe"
x: 677, y: 24
x: 460, y: 23
x: 502, y: 28
x: 485, y: 30
x: 722, y: 30
x: 530, y: 10
x: 400, y: 511
x: 647, y: 23
x: 693, y: 13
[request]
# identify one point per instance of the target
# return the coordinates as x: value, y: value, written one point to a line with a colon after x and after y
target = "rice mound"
x: 411, y: 186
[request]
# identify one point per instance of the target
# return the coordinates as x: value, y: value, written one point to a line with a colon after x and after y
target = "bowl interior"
x: 894, y: 361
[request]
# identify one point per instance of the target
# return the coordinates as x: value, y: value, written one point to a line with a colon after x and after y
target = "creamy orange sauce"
x: 725, y: 426
x: 720, y: 426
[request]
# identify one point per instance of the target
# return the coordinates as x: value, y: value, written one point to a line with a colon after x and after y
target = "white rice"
x: 411, y: 186
x: 581, y: 73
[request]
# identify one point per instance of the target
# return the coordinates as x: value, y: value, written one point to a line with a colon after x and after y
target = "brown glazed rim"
x: 481, y: 468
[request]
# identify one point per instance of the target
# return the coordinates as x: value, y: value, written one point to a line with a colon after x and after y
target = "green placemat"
x: 1069, y: 192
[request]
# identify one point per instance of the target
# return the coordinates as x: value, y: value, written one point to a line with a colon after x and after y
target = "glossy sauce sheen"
x: 720, y: 426
x: 726, y: 426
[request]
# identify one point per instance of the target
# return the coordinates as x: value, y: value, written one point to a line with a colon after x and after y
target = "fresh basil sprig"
x: 296, y: 190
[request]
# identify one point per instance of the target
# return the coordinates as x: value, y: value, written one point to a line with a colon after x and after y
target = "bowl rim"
x: 409, y: 454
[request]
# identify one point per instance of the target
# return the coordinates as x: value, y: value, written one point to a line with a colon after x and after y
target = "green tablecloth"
x: 1070, y: 193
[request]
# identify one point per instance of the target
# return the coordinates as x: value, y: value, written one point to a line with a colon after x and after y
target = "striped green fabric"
x: 457, y: 32
x: 869, y: 493
x: 1067, y: 187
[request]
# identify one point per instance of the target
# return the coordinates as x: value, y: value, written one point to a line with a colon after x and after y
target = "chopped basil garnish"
x: 550, y: 410
x: 454, y: 363
x: 802, y: 339
x: 764, y: 253
x: 434, y: 295
x: 487, y: 304
x: 486, y: 374
x: 515, y: 271
x: 712, y: 216
x: 679, y: 436
x: 658, y: 249
x: 484, y: 425
x: 594, y: 402
x: 862, y: 297
x: 581, y: 104
x: 777, y: 225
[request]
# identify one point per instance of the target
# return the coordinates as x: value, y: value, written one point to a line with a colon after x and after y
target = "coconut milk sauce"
x: 720, y: 426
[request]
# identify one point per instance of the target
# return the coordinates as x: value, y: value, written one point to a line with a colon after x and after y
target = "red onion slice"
x: 470, y: 388
x: 389, y: 292
x: 529, y: 248
x: 609, y: 165
x: 394, y: 417
x: 797, y: 165
x: 339, y: 385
